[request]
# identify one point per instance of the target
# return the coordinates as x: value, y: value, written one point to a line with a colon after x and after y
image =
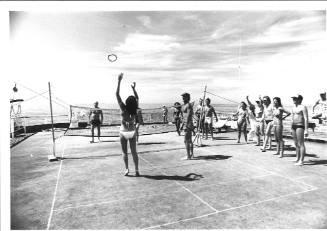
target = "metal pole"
x: 203, y: 101
x: 53, y: 157
x: 199, y: 127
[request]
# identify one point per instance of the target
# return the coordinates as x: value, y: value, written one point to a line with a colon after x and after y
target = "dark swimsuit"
x: 95, y: 122
x: 295, y: 126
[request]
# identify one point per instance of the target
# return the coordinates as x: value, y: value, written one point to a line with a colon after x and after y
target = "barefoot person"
x: 242, y: 120
x: 199, y: 117
x: 187, y: 110
x: 267, y: 117
x: 209, y: 112
x: 253, y: 123
x: 178, y: 117
x: 259, y: 122
x: 129, y: 125
x: 95, y: 119
x: 138, y: 111
x: 278, y: 112
x: 321, y: 113
x: 299, y: 127
x: 165, y: 114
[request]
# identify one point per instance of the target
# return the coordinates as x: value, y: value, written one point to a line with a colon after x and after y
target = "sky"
x: 233, y: 53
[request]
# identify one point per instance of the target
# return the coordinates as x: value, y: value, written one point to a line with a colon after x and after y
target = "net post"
x: 53, y: 156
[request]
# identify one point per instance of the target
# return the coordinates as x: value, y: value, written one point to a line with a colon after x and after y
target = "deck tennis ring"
x: 112, y: 57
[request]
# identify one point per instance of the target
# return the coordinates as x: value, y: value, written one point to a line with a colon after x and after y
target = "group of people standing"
x: 264, y: 118
x: 203, y: 118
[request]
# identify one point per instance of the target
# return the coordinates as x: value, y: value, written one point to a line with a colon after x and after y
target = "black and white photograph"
x: 163, y: 115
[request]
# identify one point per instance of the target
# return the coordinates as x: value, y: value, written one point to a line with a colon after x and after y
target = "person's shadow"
x: 212, y: 157
x: 188, y: 177
x: 316, y: 162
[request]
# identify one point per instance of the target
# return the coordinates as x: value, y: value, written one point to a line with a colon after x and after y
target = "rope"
x: 41, y: 94
x: 223, y: 98
x: 60, y: 100
x: 35, y: 96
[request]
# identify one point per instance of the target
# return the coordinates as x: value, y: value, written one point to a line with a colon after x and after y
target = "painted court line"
x: 229, y: 209
x: 56, y: 188
x: 273, y: 173
x: 280, y: 175
x: 193, y: 194
x: 196, y: 196
x: 149, y: 195
x: 112, y: 201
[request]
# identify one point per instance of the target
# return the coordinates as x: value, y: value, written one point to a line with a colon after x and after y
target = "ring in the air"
x: 112, y: 57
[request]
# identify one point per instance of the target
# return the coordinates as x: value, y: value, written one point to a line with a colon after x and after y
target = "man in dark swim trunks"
x: 299, y: 128
x: 95, y: 119
x: 187, y: 110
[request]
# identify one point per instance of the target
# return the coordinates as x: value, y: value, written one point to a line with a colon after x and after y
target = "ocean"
x: 42, y: 116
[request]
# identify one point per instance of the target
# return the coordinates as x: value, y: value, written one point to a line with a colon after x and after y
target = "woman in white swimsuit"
x: 129, y: 125
x: 267, y: 117
x: 242, y: 120
x: 259, y: 127
x: 278, y: 112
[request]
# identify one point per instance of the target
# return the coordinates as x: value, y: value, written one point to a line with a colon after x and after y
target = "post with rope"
x: 53, y: 156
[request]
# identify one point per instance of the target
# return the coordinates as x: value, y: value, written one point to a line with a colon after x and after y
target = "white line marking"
x: 229, y: 209
x: 187, y: 219
x: 274, y: 173
x: 282, y: 176
x: 298, y: 178
x: 114, y: 201
x: 149, y: 195
x: 196, y: 196
x: 56, y: 188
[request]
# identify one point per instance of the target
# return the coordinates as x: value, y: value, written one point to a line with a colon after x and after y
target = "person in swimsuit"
x: 165, y: 114
x: 242, y: 120
x: 129, y: 125
x: 278, y: 112
x: 138, y: 111
x: 322, y: 111
x: 95, y: 119
x: 209, y: 112
x: 199, y: 116
x: 267, y: 117
x: 187, y: 110
x: 299, y: 127
x: 258, y: 111
x: 178, y: 117
x: 253, y: 123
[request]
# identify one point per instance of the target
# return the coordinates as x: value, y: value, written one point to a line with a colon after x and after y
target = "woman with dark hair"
x: 129, y: 125
x: 278, y: 112
x: 253, y: 123
x: 178, y: 117
x: 267, y: 117
x: 138, y: 111
x: 258, y: 114
x: 242, y: 119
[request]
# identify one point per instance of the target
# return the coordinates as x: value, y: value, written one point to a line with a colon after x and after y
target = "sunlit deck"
x: 227, y: 185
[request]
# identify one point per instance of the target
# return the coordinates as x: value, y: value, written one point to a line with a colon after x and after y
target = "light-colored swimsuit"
x: 128, y: 125
x: 208, y: 112
x: 277, y: 120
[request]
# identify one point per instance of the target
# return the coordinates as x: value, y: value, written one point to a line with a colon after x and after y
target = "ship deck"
x: 227, y: 185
